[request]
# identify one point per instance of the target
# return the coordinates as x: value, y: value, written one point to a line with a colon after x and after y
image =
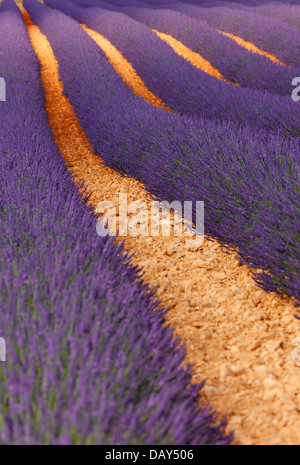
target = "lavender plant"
x: 289, y: 14
x: 234, y: 62
x: 89, y: 360
x: 179, y: 84
x: 273, y: 35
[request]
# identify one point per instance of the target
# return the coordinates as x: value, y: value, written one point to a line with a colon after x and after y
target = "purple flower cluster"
x: 88, y: 358
x: 289, y: 14
x: 210, y: 3
x: 285, y: 11
x: 249, y: 182
x: 273, y: 35
x: 234, y: 62
x: 178, y: 83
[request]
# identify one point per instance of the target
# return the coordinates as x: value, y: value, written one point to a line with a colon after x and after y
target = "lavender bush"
x: 234, y: 62
x: 273, y: 35
x: 88, y: 358
x: 178, y: 83
x: 289, y: 14
x: 209, y: 3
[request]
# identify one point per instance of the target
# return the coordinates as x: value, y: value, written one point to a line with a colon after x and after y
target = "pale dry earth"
x: 239, y: 338
x: 195, y: 58
x: 252, y: 48
x: 124, y: 68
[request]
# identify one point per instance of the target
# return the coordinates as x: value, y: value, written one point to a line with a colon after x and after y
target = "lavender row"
x: 234, y: 62
x: 288, y: 12
x: 208, y: 3
x: 180, y: 85
x: 272, y: 36
x: 249, y: 182
x: 88, y: 358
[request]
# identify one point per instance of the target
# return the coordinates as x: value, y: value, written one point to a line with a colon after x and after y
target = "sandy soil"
x: 252, y: 48
x: 197, y: 60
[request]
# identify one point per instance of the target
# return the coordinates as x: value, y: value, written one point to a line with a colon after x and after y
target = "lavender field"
x: 91, y: 357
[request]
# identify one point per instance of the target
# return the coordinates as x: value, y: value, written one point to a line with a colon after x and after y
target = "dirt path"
x: 195, y: 58
x: 237, y: 337
x: 252, y: 48
x: 124, y: 69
